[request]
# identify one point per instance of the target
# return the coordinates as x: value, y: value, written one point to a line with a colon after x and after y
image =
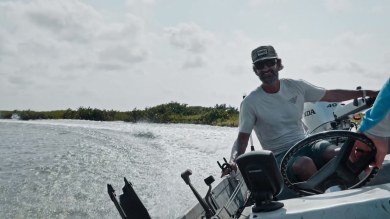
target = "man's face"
x: 267, y: 71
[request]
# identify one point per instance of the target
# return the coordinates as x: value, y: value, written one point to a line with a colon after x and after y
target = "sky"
x: 127, y: 54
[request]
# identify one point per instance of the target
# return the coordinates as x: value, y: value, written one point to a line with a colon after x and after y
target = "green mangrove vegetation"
x: 219, y: 115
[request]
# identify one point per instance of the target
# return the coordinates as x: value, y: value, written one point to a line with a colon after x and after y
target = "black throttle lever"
x: 186, y: 177
x: 225, y: 166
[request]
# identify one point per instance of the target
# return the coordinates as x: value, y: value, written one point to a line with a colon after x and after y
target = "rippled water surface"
x: 60, y: 168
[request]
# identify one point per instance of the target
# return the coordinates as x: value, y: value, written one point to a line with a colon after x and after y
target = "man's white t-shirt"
x: 277, y: 117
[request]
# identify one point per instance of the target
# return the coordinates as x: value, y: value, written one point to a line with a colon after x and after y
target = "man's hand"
x: 381, y: 150
x: 227, y: 171
x: 359, y: 151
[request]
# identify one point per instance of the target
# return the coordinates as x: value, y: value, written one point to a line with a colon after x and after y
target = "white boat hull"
x: 372, y: 201
x: 368, y: 202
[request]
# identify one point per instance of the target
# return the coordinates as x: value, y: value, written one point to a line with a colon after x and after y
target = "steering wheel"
x: 340, y: 170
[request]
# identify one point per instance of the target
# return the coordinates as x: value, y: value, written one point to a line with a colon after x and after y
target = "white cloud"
x: 123, y: 54
x: 324, y: 68
x: 342, y: 66
x: 136, y: 6
x: 339, y: 5
x: 58, y: 43
x: 189, y: 37
x: 377, y: 9
x: 126, y: 54
x: 20, y: 81
x: 62, y: 19
x: 194, y: 62
x: 352, y: 39
x: 65, y: 35
x: 130, y: 30
x: 264, y: 3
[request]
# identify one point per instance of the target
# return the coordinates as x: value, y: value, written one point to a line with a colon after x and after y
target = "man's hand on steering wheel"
x: 359, y: 151
x: 381, y: 150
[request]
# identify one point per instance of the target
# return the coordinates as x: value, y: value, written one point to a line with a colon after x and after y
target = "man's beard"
x: 270, y: 78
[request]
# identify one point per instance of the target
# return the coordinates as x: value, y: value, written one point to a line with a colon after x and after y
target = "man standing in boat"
x: 274, y: 110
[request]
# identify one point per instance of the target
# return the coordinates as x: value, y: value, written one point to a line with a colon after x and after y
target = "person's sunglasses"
x: 267, y: 62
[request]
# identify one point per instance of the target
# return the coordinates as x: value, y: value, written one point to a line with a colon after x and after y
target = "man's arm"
x: 343, y: 95
x: 239, y: 146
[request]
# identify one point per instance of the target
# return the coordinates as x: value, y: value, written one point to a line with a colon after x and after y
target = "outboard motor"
x: 262, y: 177
x: 318, y: 117
x: 325, y: 116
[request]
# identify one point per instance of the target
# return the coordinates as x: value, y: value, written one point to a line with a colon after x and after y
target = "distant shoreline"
x: 173, y: 112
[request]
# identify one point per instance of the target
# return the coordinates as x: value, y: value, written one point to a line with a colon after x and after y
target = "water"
x: 60, y: 168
